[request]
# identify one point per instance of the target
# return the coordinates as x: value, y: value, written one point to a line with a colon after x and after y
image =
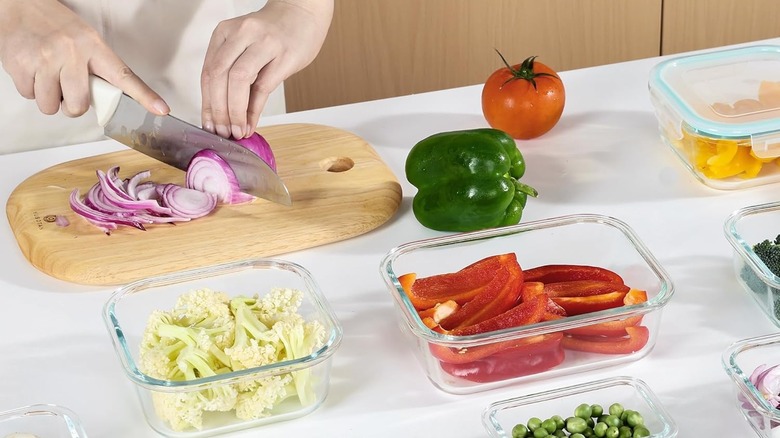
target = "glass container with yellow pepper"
x: 720, y: 113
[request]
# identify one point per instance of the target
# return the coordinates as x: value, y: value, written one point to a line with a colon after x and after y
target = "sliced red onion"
x: 210, y: 173
x: 258, y: 144
x: 189, y: 203
x: 767, y: 380
x: 112, y: 202
x: 61, y: 221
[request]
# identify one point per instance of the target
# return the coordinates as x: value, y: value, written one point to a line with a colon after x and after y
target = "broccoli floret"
x: 769, y: 253
x: 207, y: 334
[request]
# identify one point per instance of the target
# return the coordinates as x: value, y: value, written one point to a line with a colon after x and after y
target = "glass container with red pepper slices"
x: 557, y: 296
x: 720, y: 113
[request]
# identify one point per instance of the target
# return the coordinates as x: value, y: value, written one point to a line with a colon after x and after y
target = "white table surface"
x: 604, y: 156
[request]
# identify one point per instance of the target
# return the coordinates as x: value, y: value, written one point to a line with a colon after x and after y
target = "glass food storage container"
x: 744, y: 229
x: 741, y: 360
x: 477, y: 357
x: 720, y: 113
x: 501, y: 417
x: 41, y: 421
x: 264, y: 366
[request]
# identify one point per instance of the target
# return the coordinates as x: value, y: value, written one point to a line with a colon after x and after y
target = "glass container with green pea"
x: 619, y: 407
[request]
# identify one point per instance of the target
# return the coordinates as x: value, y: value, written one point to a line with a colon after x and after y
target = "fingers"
x: 48, y: 93
x: 74, y: 80
x: 233, y: 96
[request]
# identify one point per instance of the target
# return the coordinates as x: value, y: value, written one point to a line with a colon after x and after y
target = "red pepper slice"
x: 583, y: 288
x: 497, y: 297
x: 557, y: 273
x: 460, y: 286
x: 527, y: 356
x: 534, y: 288
x: 580, y: 305
x: 527, y: 312
x: 614, y: 328
x: 635, y: 340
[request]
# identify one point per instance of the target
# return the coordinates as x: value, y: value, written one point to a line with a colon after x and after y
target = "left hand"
x: 249, y: 56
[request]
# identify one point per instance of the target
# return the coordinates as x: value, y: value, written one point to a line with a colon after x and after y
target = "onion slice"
x: 767, y: 380
x: 208, y: 172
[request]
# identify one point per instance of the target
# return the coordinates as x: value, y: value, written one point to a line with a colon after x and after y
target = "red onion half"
x: 258, y: 144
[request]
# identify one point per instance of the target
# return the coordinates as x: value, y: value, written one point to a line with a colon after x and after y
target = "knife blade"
x: 174, y: 141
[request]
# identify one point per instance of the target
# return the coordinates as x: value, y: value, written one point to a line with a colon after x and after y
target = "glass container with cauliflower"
x: 225, y: 348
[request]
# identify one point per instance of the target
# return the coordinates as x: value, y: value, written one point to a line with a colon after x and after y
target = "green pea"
x: 613, y: 421
x: 641, y: 432
x: 549, y: 425
x: 600, y: 429
x: 625, y: 432
x: 583, y: 411
x: 616, y: 409
x: 559, y: 422
x: 534, y: 423
x: 634, y: 419
x: 612, y: 432
x: 576, y: 424
x: 589, y: 433
x: 519, y: 431
x: 559, y: 434
x: 596, y: 410
x: 541, y: 432
x: 625, y: 414
x: 576, y: 435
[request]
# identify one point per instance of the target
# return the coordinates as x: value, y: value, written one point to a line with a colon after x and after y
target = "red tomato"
x: 524, y: 100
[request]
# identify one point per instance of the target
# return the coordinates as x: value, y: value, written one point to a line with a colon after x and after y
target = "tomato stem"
x: 525, y: 72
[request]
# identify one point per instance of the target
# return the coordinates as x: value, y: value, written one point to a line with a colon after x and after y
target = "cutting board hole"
x: 337, y: 164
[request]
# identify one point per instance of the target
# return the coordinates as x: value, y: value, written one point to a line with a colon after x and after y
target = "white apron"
x: 163, y: 41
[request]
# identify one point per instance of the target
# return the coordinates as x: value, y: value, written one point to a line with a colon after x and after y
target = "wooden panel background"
x: 385, y: 48
x: 699, y: 24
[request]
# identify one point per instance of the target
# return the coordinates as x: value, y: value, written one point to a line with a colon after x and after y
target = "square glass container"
x: 720, y: 113
x: 745, y: 228
x: 500, y: 417
x: 740, y: 360
x: 127, y: 311
x: 41, y: 421
x: 584, y: 239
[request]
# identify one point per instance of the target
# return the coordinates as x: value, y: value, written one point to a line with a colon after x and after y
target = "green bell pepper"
x: 467, y: 180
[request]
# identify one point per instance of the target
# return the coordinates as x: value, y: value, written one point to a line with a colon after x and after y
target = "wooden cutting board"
x: 340, y: 188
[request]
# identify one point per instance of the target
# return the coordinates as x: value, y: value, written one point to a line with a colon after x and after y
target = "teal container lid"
x: 729, y: 94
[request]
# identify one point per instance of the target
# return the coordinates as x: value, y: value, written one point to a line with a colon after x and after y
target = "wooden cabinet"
x: 700, y: 24
x: 384, y: 48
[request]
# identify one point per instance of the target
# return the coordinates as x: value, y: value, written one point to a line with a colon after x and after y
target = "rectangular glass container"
x: 41, y: 421
x: 740, y: 360
x: 593, y: 240
x: 744, y: 229
x: 500, y: 417
x: 720, y: 113
x: 127, y: 311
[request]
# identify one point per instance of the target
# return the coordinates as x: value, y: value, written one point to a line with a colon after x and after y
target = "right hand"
x: 49, y: 52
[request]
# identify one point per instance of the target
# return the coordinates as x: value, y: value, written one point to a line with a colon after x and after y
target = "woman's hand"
x: 49, y: 51
x: 249, y: 56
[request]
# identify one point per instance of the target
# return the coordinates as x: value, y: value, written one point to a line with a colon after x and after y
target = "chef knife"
x: 174, y: 141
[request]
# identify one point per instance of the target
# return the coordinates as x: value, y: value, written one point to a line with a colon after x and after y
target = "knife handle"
x: 104, y: 98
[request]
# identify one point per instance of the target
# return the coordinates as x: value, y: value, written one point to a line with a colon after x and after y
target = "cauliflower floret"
x: 266, y: 394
